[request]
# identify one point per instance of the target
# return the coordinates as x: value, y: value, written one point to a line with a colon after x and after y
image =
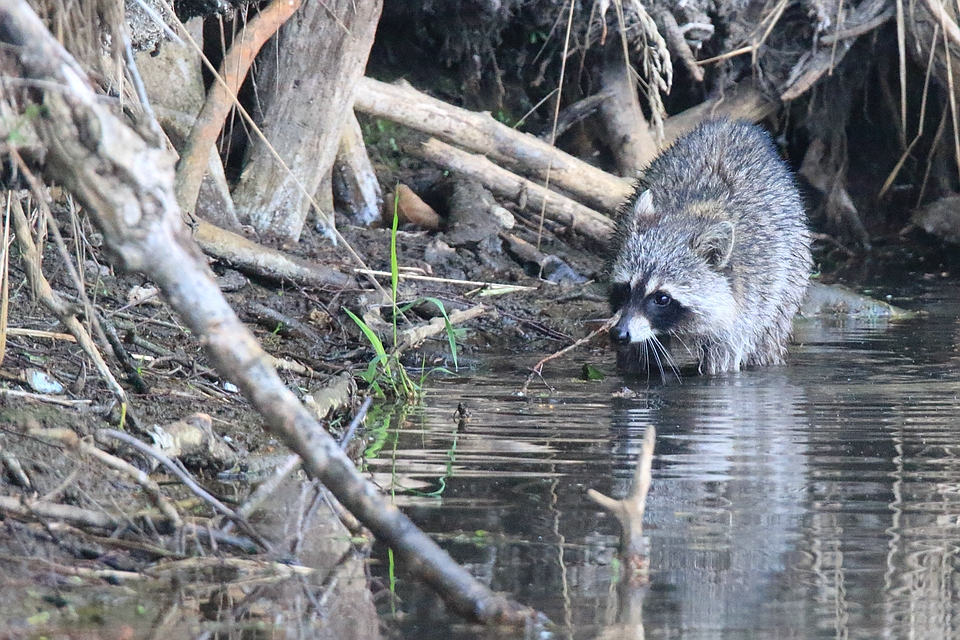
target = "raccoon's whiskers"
x: 653, y: 345
x: 666, y: 357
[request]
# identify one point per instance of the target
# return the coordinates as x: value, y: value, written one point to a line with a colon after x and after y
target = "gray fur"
x: 717, y: 224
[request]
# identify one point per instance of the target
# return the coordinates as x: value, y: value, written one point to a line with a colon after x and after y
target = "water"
x: 816, y: 500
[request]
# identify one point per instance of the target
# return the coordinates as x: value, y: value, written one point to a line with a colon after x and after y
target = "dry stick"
x: 70, y: 438
x: 39, y: 397
x: 5, y: 279
x: 480, y: 133
x: 52, y: 300
x: 507, y: 185
x: 538, y: 368
x: 128, y: 188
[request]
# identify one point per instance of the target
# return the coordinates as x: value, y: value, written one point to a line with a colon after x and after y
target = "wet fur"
x: 722, y: 231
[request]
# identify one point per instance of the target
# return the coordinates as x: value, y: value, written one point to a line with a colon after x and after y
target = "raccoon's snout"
x: 620, y: 334
x: 632, y: 327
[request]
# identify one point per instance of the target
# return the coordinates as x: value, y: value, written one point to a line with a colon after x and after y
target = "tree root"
x: 222, y: 95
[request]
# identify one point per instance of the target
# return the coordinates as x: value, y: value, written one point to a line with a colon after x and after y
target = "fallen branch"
x: 250, y: 257
x: 127, y: 186
x: 416, y: 335
x: 530, y: 195
x: 480, y: 133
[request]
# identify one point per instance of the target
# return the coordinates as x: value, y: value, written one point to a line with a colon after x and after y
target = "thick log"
x: 480, y: 133
x: 530, y: 195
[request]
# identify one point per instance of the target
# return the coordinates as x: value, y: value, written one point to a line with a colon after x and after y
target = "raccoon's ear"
x: 715, y: 245
x: 644, y: 213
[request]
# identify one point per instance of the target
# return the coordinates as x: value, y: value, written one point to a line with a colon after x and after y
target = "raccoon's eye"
x: 661, y: 299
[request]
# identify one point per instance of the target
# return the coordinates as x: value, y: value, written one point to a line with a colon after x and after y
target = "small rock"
x: 438, y: 252
x: 231, y: 280
x: 42, y: 382
x: 553, y: 269
x: 504, y: 217
x: 143, y: 294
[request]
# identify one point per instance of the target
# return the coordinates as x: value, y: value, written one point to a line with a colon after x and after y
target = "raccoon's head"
x: 668, y: 277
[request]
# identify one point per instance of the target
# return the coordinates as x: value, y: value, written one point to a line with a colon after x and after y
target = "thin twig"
x: 187, y: 479
x: 538, y: 368
x: 357, y: 419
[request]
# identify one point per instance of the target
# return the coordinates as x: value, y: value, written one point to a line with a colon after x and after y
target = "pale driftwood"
x: 251, y: 257
x: 531, y: 196
x: 127, y: 187
x: 480, y: 133
x: 628, y: 132
x: 355, y: 185
x: 629, y: 511
x: 412, y: 337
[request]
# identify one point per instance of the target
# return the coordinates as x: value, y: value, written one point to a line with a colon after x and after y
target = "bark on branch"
x: 127, y: 186
x: 532, y: 196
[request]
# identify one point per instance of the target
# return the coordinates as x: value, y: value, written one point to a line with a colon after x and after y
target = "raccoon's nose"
x: 620, y: 334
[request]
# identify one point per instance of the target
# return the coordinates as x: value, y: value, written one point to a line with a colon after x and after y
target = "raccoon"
x: 712, y: 251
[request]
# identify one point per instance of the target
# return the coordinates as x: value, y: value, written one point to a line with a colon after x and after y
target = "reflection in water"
x: 820, y: 499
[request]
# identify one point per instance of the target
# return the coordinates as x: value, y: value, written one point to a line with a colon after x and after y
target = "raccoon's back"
x: 733, y: 162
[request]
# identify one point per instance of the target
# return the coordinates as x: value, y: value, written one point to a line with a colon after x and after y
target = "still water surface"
x: 820, y: 499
